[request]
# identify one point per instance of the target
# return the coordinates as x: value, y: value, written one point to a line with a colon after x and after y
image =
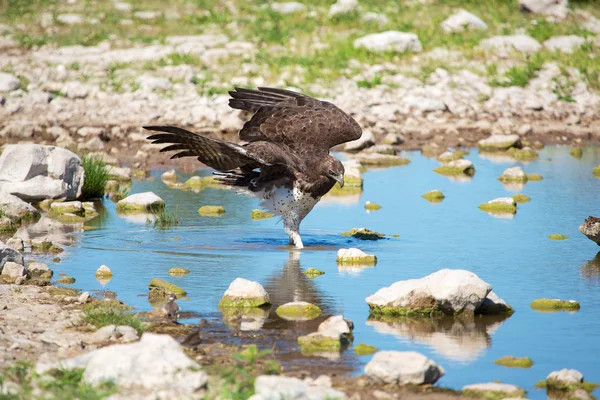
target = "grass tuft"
x: 96, y: 176
x: 103, y: 313
x: 161, y: 218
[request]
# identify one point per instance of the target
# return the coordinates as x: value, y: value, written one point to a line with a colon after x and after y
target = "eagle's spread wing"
x: 220, y: 155
x: 293, y: 119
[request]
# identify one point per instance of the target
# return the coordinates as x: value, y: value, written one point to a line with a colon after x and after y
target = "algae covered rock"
x: 494, y: 305
x: 524, y: 154
x: 168, y: 287
x: 243, y: 293
x: 260, y: 214
x: 298, y: 311
x: 557, y: 236
x: 41, y: 271
x: 355, y: 256
x: 434, y: 196
x: 501, y: 205
x: 456, y: 167
x: 493, y: 390
x: 576, y: 152
x: 448, y: 156
x: 371, y: 206
x: 70, y: 207
x: 178, y: 271
x: 313, y: 272
x: 513, y: 175
x: 364, y: 234
x: 381, y: 160
x: 521, y: 198
x: 211, y: 211
x: 66, y: 280
x: 534, y: 177
x: 514, y: 362
x: 43, y: 245
x: 169, y: 176
x: 403, y: 368
x: 447, y: 291
x: 554, y: 305
x: 103, y: 270
x: 564, y: 377
x: 591, y: 229
x: 140, y: 203
x: 332, y: 335
x: 363, y: 349
x: 499, y: 142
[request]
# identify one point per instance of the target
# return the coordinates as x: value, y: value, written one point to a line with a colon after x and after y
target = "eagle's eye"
x: 331, y: 172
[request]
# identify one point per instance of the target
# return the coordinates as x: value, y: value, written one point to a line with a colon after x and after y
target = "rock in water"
x: 493, y: 390
x: 37, y: 172
x: 565, y: 377
x: 332, y: 335
x: 591, y: 229
x: 403, y: 367
x: 140, y: 203
x: 8, y: 254
x: 243, y: 293
x: 16, y: 209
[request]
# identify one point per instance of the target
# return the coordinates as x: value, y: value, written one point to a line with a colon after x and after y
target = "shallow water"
x: 513, y: 255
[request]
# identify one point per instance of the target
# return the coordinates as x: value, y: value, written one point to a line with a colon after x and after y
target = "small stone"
x: 565, y: 44
x: 16, y: 243
x: 363, y: 234
x: 178, y: 271
x: 555, y: 8
x: 66, y: 280
x: 461, y: 21
x: 298, y: 311
x: 211, y: 211
x: 499, y: 142
x: 332, y: 335
x: 364, y: 349
x: 500, y: 205
x: 313, y: 272
x: 393, y: 139
x: 512, y: 175
x: 399, y: 42
x: 456, y: 168
x: 514, y: 362
x: 272, y: 387
x: 140, y: 203
x: 557, y: 236
x: 103, y: 270
x: 168, y: 287
x: 565, y: 377
x: 521, y: 198
x: 8, y: 82
x: 402, y: 368
x: 493, y: 390
x: 343, y: 7
x: 371, y: 206
x: 289, y: 7
x: 170, y: 176
x: 84, y: 297
x: 504, y: 45
x: 554, y: 305
x: 243, y: 293
x: 355, y: 256
x: 70, y: 19
x: 434, y: 196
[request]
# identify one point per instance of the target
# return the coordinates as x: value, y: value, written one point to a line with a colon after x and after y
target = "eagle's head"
x: 333, y: 169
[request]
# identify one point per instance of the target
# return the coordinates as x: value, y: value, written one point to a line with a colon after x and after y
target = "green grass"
x: 104, y: 313
x: 162, y: 218
x: 96, y: 176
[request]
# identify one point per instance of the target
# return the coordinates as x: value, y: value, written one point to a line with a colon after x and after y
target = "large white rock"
x: 556, y: 8
x: 565, y: 376
x: 288, y: 7
x: 454, y: 291
x: 140, y: 202
x: 403, y: 367
x: 514, y: 174
x: 37, y: 172
x: 499, y: 142
x: 335, y: 326
x: 156, y: 362
x: 244, y: 293
x: 270, y: 387
x: 565, y: 44
x: 13, y: 270
x: 390, y: 41
x: 506, y: 44
x: 15, y: 208
x: 343, y: 7
x: 8, y: 82
x: 462, y: 20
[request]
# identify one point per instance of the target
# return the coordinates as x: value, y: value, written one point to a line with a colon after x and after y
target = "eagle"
x: 285, y: 158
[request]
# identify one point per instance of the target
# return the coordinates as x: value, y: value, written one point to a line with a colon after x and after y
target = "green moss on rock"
x: 242, y: 302
x: 576, y: 152
x: 521, y: 198
x: 498, y: 208
x: 363, y: 234
x: 313, y: 272
x: 514, y: 362
x: 178, y: 271
x: 567, y: 387
x: 169, y: 287
x: 434, y: 196
x: 128, y: 208
x: 554, y: 305
x: 448, y: 170
x: 524, y: 154
x: 557, y: 236
x: 364, y: 349
x: 66, y: 280
x: 534, y: 177
x: 494, y: 395
x: 211, y: 211
x: 317, y: 343
x: 298, y: 311
x: 383, y: 161
x: 376, y: 311
x: 260, y: 214
x: 372, y: 206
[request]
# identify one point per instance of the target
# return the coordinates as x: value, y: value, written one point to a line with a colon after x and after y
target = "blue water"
x: 513, y: 255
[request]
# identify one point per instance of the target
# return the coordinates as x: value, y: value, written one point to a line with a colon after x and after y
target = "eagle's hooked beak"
x: 340, y: 179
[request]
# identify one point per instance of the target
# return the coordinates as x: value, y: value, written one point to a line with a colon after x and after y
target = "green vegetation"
x: 534, y: 177
x: 576, y: 152
x: 245, y: 302
x: 104, y: 313
x: 492, y: 395
x: 566, y: 387
x: 514, y: 362
x: 364, y: 349
x: 554, y: 305
x: 56, y: 384
x: 161, y: 218
x: 498, y: 208
x: 313, y: 272
x: 298, y: 311
x: 557, y: 236
x: 449, y: 170
x: 96, y: 176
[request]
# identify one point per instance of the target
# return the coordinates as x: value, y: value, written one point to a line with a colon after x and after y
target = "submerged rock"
x: 332, y: 335
x: 355, y: 256
x: 456, y: 167
x: 576, y: 152
x: 557, y: 236
x: 272, y: 387
x: 381, y: 160
x: 514, y: 174
x: 178, y: 271
x: 363, y: 349
x: 434, y: 196
x: 140, y: 203
x: 514, y: 362
x: 493, y: 390
x: 521, y: 198
x: 70, y: 207
x: 402, y: 368
x: 371, y: 206
x: 260, y: 214
x: 364, y: 234
x: 169, y: 176
x: 43, y: 245
x: 500, y: 142
x: 564, y: 377
x: 168, y: 287
x: 16, y: 209
x: 243, y: 293
x: 447, y: 291
x: 211, y: 211
x: 591, y: 229
x: 298, y: 311
x: 313, y: 272
x: 501, y: 205
x: 554, y: 305
x: 103, y: 270
x: 66, y: 280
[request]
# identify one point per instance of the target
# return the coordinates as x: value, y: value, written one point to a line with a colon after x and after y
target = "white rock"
x: 170, y: 175
x: 343, y: 7
x: 75, y: 90
x: 463, y: 20
x: 462, y: 164
x: 122, y: 6
x: 499, y: 142
x: 377, y: 18
x: 112, y: 332
x: 514, y: 174
x: 156, y: 362
x: 13, y: 270
x: 147, y: 15
x: 422, y: 103
x: 90, y: 131
x: 94, y: 144
x: 403, y: 367
x: 565, y: 44
x: 70, y: 19
x: 15, y: 208
x: 84, y: 297
x: 60, y: 206
x: 393, y: 138
x: 288, y: 7
x: 39, y: 270
x: 103, y: 270
x: 123, y: 174
x: 494, y: 387
x: 270, y: 387
x: 335, y: 326
x: 8, y: 82
x: 151, y: 83
x: 508, y: 201
x: 366, y: 140
x: 127, y: 333
x: 353, y: 254
x: 37, y: 172
x: 141, y: 202
x: 454, y: 290
x: 556, y: 8
x: 565, y: 376
x: 242, y: 288
x: 16, y: 243
x: 493, y: 304
x: 390, y: 41
x: 506, y: 44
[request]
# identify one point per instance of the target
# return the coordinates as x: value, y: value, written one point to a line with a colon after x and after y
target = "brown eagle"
x: 285, y: 161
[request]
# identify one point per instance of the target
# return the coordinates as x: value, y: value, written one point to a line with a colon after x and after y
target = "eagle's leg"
x: 296, y: 240
x: 292, y: 227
